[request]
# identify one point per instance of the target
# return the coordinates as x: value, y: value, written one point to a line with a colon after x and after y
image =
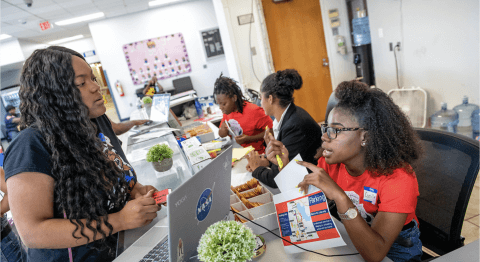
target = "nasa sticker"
x: 204, y: 204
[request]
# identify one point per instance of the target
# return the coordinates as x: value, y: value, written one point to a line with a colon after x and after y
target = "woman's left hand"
x: 255, y: 160
x: 140, y: 122
x: 242, y: 139
x: 320, y: 179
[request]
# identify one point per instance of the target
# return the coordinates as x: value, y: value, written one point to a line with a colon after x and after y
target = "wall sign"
x: 163, y: 57
x: 212, y: 43
x: 89, y: 53
x: 45, y: 25
x: 245, y: 19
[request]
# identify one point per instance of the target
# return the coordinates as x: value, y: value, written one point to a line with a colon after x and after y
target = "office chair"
x: 446, y: 175
x: 254, y: 97
x: 332, y: 102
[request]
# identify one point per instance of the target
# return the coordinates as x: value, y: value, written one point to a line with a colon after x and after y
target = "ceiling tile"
x: 46, y: 9
x: 108, y: 1
x: 27, y: 34
x: 106, y: 6
x: 81, y: 11
x: 13, y: 2
x: 115, y: 12
x: 9, y: 9
x: 136, y: 7
x: 10, y: 29
x: 15, y: 15
x: 22, y: 21
x: 76, y: 3
x: 36, y: 4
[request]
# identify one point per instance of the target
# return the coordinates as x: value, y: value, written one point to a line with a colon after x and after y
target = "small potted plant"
x: 161, y: 157
x: 147, y: 104
x: 227, y: 241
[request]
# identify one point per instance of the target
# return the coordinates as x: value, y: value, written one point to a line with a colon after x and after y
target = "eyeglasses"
x: 333, y: 131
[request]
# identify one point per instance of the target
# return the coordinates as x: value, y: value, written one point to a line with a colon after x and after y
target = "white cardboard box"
x: 264, y: 215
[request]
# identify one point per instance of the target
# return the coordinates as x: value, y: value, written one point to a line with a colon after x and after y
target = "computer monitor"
x: 182, y: 84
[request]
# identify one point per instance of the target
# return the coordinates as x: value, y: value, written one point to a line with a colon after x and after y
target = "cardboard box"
x: 204, y: 138
x: 264, y: 215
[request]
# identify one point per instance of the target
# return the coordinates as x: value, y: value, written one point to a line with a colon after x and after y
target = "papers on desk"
x: 153, y: 133
x: 304, y: 220
x: 239, y: 153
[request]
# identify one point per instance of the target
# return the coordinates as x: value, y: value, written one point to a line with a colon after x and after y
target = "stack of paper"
x: 239, y: 153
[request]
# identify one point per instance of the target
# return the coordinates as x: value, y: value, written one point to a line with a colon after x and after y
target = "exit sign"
x: 45, y: 25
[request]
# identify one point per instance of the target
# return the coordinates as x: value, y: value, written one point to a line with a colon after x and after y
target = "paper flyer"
x: 305, y: 220
x: 160, y: 108
x: 291, y: 175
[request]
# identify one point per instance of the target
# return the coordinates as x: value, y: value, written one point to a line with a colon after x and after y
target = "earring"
x: 363, y: 143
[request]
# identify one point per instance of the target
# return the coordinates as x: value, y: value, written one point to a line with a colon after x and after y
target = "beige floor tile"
x: 474, y: 220
x: 473, y: 207
x: 477, y: 181
x: 470, y: 232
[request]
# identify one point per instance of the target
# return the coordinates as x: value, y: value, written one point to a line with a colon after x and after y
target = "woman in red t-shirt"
x: 368, y: 146
x: 247, y: 120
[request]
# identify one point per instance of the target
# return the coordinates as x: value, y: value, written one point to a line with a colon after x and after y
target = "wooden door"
x: 295, y: 32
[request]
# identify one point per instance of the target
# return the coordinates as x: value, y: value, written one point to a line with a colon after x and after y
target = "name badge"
x: 370, y: 195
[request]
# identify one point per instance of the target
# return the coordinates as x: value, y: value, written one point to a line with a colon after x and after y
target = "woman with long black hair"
x: 67, y: 176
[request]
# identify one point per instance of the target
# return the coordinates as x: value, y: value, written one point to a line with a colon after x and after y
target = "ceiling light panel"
x: 65, y: 40
x: 80, y: 19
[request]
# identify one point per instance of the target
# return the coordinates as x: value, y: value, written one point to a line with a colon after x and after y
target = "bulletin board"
x: 163, y: 57
x: 212, y: 43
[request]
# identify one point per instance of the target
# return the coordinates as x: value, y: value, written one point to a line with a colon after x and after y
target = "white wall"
x: 239, y: 38
x: 188, y: 18
x: 83, y: 45
x: 10, y: 52
x: 341, y: 66
x: 439, y: 49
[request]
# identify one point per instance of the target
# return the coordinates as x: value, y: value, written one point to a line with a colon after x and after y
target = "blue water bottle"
x: 445, y: 119
x: 465, y: 111
x: 198, y: 107
x: 476, y: 124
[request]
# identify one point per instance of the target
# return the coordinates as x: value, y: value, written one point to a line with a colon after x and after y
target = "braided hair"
x: 53, y: 105
x: 281, y: 85
x: 227, y: 86
x: 392, y: 141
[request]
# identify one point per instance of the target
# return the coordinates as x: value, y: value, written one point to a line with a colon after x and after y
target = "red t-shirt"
x: 252, y: 121
x: 395, y: 193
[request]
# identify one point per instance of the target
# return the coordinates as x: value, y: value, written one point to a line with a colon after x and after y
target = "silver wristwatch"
x: 350, y: 214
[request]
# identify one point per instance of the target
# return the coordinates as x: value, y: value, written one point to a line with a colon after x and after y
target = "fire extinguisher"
x: 119, y: 88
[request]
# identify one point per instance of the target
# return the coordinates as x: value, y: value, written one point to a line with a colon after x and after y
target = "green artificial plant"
x: 227, y: 241
x: 147, y: 100
x: 159, y: 152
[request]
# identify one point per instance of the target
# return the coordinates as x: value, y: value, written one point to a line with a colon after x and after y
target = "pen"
x: 280, y: 163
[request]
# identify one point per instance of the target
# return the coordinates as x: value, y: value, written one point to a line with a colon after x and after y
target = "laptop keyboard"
x: 158, y: 253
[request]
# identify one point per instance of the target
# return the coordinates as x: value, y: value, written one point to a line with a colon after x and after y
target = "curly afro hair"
x: 391, y: 140
x: 227, y: 86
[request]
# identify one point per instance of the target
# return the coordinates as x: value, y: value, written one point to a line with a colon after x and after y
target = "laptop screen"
x: 201, y: 201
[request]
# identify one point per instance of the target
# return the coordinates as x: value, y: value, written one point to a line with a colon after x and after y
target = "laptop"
x: 199, y: 202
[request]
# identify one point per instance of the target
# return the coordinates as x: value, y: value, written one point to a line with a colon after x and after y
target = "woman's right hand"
x: 139, y: 212
x: 274, y: 148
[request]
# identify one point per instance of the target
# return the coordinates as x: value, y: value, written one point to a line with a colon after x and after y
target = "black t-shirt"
x: 29, y: 153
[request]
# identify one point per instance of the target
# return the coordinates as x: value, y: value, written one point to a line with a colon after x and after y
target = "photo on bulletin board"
x: 163, y: 57
x: 212, y: 43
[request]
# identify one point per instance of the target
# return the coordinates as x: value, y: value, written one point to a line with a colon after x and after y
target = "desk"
x: 275, y: 251
x: 468, y: 253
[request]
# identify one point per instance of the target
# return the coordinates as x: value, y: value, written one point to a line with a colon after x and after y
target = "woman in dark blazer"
x: 293, y: 126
